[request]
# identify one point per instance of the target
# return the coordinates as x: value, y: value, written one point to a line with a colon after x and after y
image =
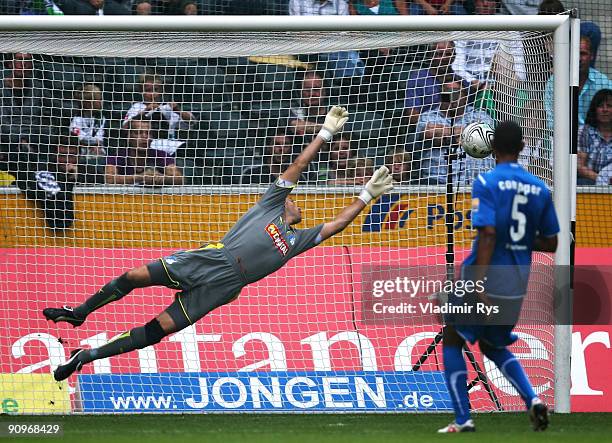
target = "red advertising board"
x: 305, y: 317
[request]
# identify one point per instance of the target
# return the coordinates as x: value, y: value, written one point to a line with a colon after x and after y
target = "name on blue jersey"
x: 519, y: 187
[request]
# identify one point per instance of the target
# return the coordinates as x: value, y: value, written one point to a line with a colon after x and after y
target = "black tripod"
x: 454, y: 153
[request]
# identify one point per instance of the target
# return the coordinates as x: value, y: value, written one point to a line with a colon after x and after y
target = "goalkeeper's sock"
x: 136, y: 338
x: 513, y: 371
x: 119, y: 345
x: 112, y: 291
x: 455, y: 373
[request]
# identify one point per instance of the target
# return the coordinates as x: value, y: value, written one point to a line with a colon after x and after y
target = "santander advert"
x: 293, y: 341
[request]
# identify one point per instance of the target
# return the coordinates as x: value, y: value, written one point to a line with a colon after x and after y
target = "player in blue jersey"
x: 514, y: 214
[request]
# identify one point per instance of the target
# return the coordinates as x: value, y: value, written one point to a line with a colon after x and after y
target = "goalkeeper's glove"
x: 334, y: 121
x: 380, y: 183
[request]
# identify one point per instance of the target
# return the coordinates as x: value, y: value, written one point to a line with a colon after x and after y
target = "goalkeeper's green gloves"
x: 380, y: 183
x: 334, y: 121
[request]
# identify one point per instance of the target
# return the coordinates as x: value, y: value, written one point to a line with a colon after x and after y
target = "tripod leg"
x: 481, y: 376
x: 430, y: 349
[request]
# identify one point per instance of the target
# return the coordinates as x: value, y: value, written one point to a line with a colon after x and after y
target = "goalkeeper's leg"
x: 136, y: 338
x: 187, y: 308
x: 152, y: 274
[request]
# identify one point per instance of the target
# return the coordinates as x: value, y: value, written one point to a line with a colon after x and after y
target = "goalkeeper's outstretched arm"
x: 334, y: 121
x: 380, y: 183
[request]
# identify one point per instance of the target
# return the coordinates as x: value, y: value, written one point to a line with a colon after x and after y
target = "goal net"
x: 126, y: 146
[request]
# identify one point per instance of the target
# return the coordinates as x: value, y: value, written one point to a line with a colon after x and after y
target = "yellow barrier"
x: 6, y: 179
x: 33, y: 394
x: 184, y: 221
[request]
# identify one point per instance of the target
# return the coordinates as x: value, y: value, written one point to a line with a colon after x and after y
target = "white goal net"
x: 121, y: 147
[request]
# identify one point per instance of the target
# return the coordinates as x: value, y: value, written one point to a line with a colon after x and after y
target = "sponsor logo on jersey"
x: 291, y: 237
x: 277, y: 238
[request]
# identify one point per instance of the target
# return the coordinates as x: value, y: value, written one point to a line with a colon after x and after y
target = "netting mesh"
x: 124, y: 152
x: 207, y: 44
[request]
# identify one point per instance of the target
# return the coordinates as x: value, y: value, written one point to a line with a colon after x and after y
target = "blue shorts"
x: 494, y: 329
x: 496, y: 336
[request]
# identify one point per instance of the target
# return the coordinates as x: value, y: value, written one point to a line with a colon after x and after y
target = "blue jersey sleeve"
x: 483, y: 204
x: 549, y: 224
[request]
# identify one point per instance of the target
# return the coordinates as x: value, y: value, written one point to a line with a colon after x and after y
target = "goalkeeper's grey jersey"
x: 261, y: 241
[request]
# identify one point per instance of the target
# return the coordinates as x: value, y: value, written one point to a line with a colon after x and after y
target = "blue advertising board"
x: 332, y: 391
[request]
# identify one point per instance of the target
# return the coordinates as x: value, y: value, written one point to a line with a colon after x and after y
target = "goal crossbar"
x: 281, y: 24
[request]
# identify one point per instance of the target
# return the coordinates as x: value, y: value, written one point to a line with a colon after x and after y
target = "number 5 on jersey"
x: 518, y: 232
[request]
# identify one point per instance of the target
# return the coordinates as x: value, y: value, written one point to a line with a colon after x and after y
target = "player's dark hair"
x: 601, y: 96
x: 508, y: 138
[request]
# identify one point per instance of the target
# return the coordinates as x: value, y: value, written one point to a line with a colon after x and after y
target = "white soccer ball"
x: 476, y: 140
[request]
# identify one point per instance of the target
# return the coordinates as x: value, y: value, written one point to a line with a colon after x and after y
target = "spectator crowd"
x: 243, y: 120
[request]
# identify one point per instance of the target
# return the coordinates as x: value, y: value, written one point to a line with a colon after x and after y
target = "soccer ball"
x: 476, y: 140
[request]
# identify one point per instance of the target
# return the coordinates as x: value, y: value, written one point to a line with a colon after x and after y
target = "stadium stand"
x: 234, y: 100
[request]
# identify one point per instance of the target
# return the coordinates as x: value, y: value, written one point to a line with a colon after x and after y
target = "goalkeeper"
x: 261, y: 242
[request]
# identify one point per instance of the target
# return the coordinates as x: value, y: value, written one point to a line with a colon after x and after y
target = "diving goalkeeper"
x: 260, y: 242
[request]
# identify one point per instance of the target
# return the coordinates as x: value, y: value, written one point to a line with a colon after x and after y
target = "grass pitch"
x: 318, y: 428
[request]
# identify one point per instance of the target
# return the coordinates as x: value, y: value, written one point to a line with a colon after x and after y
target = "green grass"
x: 318, y: 428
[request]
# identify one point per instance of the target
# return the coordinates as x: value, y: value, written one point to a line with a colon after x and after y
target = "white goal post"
x: 59, y: 41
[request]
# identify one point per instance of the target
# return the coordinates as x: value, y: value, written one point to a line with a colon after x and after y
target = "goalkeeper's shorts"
x: 207, y: 280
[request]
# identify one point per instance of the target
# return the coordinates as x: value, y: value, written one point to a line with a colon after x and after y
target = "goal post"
x: 566, y: 41
x: 232, y: 95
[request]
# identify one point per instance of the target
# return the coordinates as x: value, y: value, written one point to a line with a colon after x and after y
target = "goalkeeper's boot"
x: 64, y: 313
x: 73, y: 364
x: 468, y: 426
x: 538, y: 413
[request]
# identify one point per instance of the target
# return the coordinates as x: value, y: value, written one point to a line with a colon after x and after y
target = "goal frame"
x: 565, y: 30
